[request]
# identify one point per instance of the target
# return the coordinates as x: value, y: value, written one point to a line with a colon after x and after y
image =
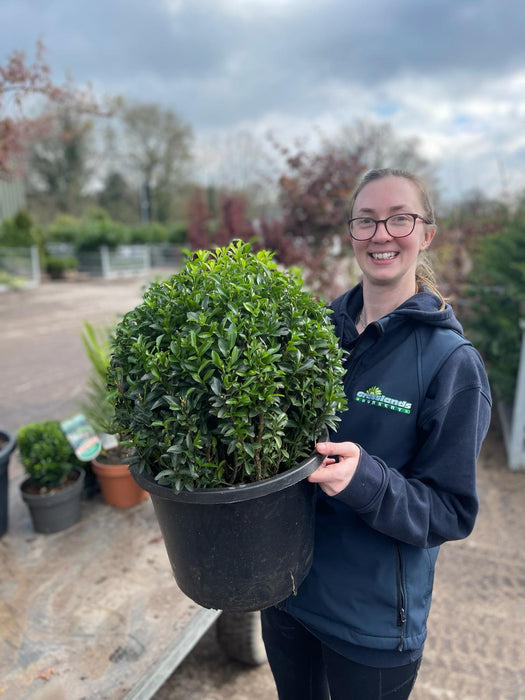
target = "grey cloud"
x: 218, y: 65
x: 218, y: 69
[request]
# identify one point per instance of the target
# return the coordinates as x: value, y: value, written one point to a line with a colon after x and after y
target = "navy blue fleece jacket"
x: 419, y: 406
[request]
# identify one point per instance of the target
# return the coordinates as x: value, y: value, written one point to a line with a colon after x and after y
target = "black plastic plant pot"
x: 239, y: 548
x: 7, y: 445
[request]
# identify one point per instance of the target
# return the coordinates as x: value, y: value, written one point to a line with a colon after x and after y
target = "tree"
x: 497, y: 289
x: 206, y: 230
x: 380, y: 147
x: 18, y: 82
x: 118, y: 199
x: 460, y: 231
x: 239, y: 162
x: 157, y: 148
x: 315, y: 192
x: 58, y: 163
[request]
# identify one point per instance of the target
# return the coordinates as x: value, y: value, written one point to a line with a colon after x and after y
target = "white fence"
x: 166, y: 255
x: 124, y: 261
x: 22, y: 264
x: 513, y: 417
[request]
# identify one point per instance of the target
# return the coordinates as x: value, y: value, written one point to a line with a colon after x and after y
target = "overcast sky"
x: 450, y: 72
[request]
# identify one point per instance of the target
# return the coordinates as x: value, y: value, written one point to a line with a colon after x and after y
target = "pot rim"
x: 11, y: 443
x: 232, y: 494
x: 57, y: 495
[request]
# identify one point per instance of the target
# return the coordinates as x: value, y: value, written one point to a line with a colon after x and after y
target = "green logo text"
x: 375, y: 397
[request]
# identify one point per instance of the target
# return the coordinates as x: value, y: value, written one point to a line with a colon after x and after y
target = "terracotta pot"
x: 117, y: 485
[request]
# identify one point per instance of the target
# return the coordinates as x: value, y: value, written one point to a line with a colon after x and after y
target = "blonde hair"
x: 424, y: 273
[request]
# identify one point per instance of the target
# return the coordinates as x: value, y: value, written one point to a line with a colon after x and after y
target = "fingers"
x: 334, y: 475
x: 323, y: 473
x: 340, y: 449
x: 332, y: 478
x: 327, y: 461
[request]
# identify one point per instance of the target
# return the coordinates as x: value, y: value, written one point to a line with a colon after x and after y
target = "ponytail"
x: 425, y: 278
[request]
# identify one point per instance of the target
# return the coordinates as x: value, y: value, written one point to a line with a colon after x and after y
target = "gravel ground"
x: 475, y: 648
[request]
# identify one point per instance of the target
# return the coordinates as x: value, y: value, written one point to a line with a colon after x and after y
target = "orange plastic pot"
x: 118, y: 487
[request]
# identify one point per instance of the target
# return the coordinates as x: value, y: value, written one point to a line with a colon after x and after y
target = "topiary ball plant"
x: 227, y: 373
x: 47, y: 456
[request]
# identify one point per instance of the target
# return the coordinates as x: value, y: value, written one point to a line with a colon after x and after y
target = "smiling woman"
x: 387, y: 249
x: 418, y: 402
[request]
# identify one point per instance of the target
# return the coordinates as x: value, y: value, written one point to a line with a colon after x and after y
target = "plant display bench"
x: 513, y: 417
x: 92, y: 611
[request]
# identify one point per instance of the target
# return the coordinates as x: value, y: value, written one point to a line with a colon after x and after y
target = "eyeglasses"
x: 398, y: 226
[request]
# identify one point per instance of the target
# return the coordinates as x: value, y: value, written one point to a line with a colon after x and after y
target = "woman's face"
x: 384, y: 260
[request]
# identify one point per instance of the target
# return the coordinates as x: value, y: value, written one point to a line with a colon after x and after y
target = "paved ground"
x: 475, y: 649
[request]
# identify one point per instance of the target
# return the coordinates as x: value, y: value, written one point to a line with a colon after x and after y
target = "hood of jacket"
x: 422, y: 308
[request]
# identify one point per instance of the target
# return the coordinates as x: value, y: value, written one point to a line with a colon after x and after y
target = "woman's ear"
x: 430, y: 232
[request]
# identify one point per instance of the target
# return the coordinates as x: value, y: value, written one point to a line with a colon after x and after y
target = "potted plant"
x: 53, y: 489
x: 110, y: 467
x: 224, y: 378
x: 7, y: 445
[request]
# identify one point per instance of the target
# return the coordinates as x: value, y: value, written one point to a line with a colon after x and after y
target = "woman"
x: 398, y: 478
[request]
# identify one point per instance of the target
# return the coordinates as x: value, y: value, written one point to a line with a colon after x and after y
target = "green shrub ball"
x: 227, y: 373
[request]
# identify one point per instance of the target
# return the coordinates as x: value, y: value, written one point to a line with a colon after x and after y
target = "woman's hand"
x: 334, y: 476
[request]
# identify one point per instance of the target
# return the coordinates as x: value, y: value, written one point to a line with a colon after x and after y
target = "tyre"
x: 240, y: 636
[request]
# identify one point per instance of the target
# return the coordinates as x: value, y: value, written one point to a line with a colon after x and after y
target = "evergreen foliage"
x: 227, y: 373
x: 47, y: 456
x: 497, y: 289
x: 18, y: 232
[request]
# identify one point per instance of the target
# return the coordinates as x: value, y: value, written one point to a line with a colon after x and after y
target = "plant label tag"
x: 109, y: 442
x: 81, y: 437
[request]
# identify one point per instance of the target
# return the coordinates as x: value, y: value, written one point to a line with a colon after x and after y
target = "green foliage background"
x: 497, y: 290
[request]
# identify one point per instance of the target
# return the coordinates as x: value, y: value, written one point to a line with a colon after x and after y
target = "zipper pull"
x: 402, y: 616
x: 402, y: 620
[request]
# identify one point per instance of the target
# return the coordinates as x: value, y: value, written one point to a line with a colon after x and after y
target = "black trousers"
x: 305, y: 669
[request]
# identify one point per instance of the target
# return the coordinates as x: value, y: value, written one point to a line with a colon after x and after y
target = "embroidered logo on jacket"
x: 375, y: 397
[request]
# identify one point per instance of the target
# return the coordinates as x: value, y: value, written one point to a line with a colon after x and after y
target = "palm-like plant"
x: 97, y: 403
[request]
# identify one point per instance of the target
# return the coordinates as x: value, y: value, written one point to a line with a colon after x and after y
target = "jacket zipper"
x: 351, y: 362
x: 401, y: 611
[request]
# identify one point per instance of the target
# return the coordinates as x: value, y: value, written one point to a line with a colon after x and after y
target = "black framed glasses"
x: 398, y: 225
